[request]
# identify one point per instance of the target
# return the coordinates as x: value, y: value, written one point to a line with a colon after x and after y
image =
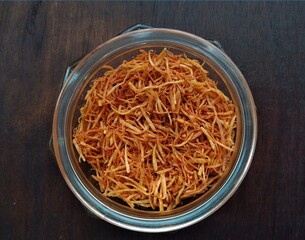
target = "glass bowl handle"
x: 135, y: 27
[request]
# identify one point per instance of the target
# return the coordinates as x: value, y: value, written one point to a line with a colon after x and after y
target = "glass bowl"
x: 123, y: 47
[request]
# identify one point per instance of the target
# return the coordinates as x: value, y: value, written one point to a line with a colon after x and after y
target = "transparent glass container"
x: 123, y: 47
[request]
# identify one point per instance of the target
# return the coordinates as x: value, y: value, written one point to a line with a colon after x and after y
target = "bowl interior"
x: 83, y: 169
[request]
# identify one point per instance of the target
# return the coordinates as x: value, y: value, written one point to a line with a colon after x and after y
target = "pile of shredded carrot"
x: 156, y: 130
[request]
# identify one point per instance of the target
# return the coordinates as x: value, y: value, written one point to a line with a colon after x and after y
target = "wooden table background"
x: 38, y: 40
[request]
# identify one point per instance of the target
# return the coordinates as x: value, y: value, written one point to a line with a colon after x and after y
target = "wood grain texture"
x: 38, y: 40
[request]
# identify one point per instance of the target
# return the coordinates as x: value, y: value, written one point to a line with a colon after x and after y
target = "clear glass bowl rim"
x: 140, y: 38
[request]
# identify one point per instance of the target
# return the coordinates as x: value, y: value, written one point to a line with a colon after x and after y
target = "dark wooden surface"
x: 38, y: 41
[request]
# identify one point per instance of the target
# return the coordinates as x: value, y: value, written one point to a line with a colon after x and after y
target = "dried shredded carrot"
x: 156, y: 130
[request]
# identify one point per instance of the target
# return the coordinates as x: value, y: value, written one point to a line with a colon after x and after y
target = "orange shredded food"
x: 156, y: 130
